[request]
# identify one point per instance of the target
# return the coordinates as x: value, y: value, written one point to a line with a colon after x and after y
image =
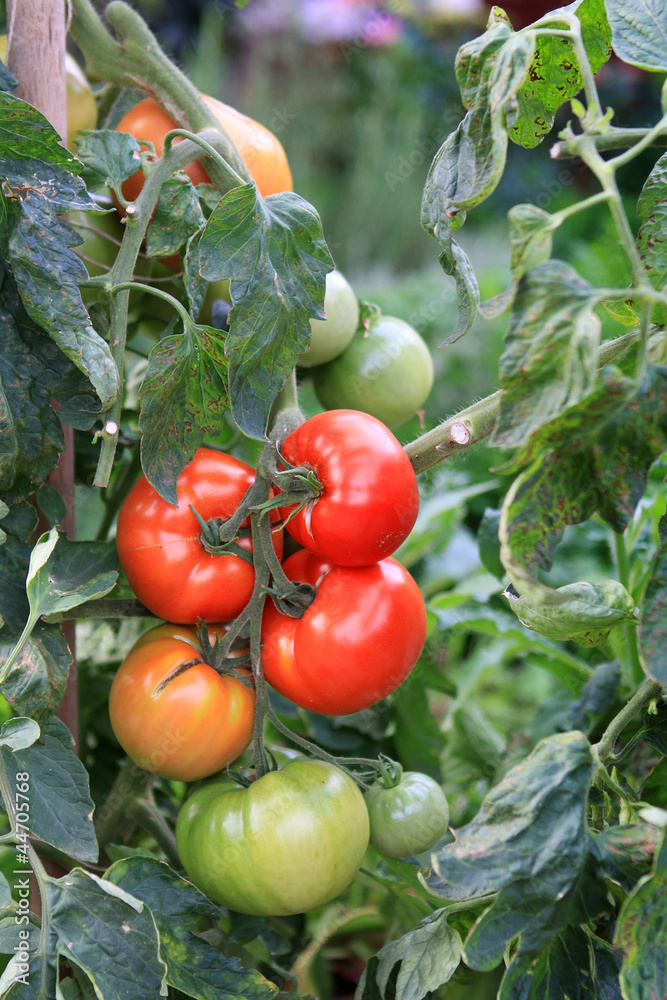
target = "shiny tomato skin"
x: 408, y: 818
x: 370, y: 497
x: 356, y: 643
x: 260, y: 150
x: 184, y: 728
x: 159, y: 548
x: 290, y: 841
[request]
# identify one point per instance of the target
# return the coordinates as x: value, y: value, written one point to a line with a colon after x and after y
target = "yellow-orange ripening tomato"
x: 172, y: 713
x: 259, y: 149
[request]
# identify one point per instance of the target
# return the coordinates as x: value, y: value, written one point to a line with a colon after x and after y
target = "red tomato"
x: 173, y: 714
x: 160, y: 550
x: 262, y: 153
x: 370, y: 498
x: 358, y: 640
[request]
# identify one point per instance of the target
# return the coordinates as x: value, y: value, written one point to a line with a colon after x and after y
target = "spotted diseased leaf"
x: 195, y: 286
x: 108, y: 934
x: 594, y: 457
x: 108, y: 158
x: 639, y: 927
x: 530, y: 239
x: 36, y: 683
x: 624, y: 853
x: 652, y: 235
x: 32, y: 372
x: 639, y: 32
x: 574, y: 965
x: 18, y: 524
x: 180, y: 910
x: 7, y: 80
x: 456, y: 264
x: 275, y: 256
x: 554, y: 77
x: 183, y: 398
x: 177, y: 215
x: 653, y: 627
x: 581, y: 612
x: 551, y: 351
x: 61, y: 809
x: 41, y: 181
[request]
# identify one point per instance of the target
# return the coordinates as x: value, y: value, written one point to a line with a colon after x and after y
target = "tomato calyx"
x: 212, y: 537
x: 388, y: 772
x: 293, y: 601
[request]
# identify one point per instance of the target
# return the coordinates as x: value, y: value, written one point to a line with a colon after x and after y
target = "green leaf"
x: 639, y: 32
x: 653, y: 626
x: 530, y: 239
x: 36, y: 683
x: 18, y: 525
x: 274, y: 254
x: 177, y: 215
x: 42, y: 977
x: 652, y: 210
x: 7, y: 80
x: 60, y: 804
x: 570, y: 966
x: 193, y: 965
x: 183, y: 398
x: 594, y: 457
x: 551, y: 351
x: 32, y: 370
x: 579, y: 612
x: 598, y: 695
x: 64, y: 574
x: 489, y: 543
x: 195, y: 286
x: 19, y: 733
x: 624, y: 853
x: 454, y: 262
x: 428, y: 956
x: 108, y: 158
x: 554, y: 77
x: 108, y: 934
x: 639, y: 928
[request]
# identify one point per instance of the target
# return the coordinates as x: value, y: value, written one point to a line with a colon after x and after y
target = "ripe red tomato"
x: 370, y: 498
x: 358, y: 640
x: 260, y: 150
x: 160, y: 550
x: 172, y: 713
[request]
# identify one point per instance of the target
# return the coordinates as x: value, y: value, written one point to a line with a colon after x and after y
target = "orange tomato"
x: 261, y: 151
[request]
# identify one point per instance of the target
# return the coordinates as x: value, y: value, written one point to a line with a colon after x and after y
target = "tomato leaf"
x: 108, y: 934
x: 530, y: 245
x: 36, y: 683
x: 579, y: 612
x: 653, y: 626
x: 18, y: 523
x: 639, y: 926
x: 19, y: 733
x: 193, y: 965
x: 624, y: 853
x: 64, y: 574
x: 195, y: 286
x: 7, y: 80
x: 428, y: 956
x: 652, y: 210
x: 32, y: 371
x: 638, y: 32
x: 275, y: 256
x: 41, y: 182
x: 551, y: 351
x: 61, y: 809
x: 183, y: 398
x: 177, y: 215
x: 554, y: 77
x: 108, y: 158
x: 574, y: 965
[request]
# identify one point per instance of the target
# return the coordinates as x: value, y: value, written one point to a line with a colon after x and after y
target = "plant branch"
x: 646, y: 692
x: 113, y: 820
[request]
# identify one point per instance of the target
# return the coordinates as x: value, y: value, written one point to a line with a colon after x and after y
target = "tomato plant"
x: 408, y: 816
x: 173, y: 713
x: 293, y: 839
x: 386, y: 370
x: 355, y: 644
x: 164, y: 555
x: 259, y: 148
x: 331, y: 336
x: 369, y: 497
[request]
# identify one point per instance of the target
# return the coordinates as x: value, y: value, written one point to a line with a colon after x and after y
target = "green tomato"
x: 409, y: 817
x: 387, y: 372
x: 331, y: 336
x: 290, y: 841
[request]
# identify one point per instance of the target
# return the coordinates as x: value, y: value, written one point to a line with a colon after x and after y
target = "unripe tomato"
x: 387, y: 371
x: 161, y: 552
x: 260, y: 150
x: 172, y: 713
x: 290, y: 841
x: 331, y: 336
x: 369, y: 499
x: 409, y: 817
x: 81, y: 106
x: 356, y: 643
x: 102, y: 234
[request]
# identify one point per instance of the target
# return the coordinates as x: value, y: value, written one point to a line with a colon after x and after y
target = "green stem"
x: 146, y: 814
x: 578, y: 206
x: 629, y: 630
x: 113, y: 820
x: 646, y: 692
x: 139, y: 286
x: 643, y: 143
x: 315, y: 751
